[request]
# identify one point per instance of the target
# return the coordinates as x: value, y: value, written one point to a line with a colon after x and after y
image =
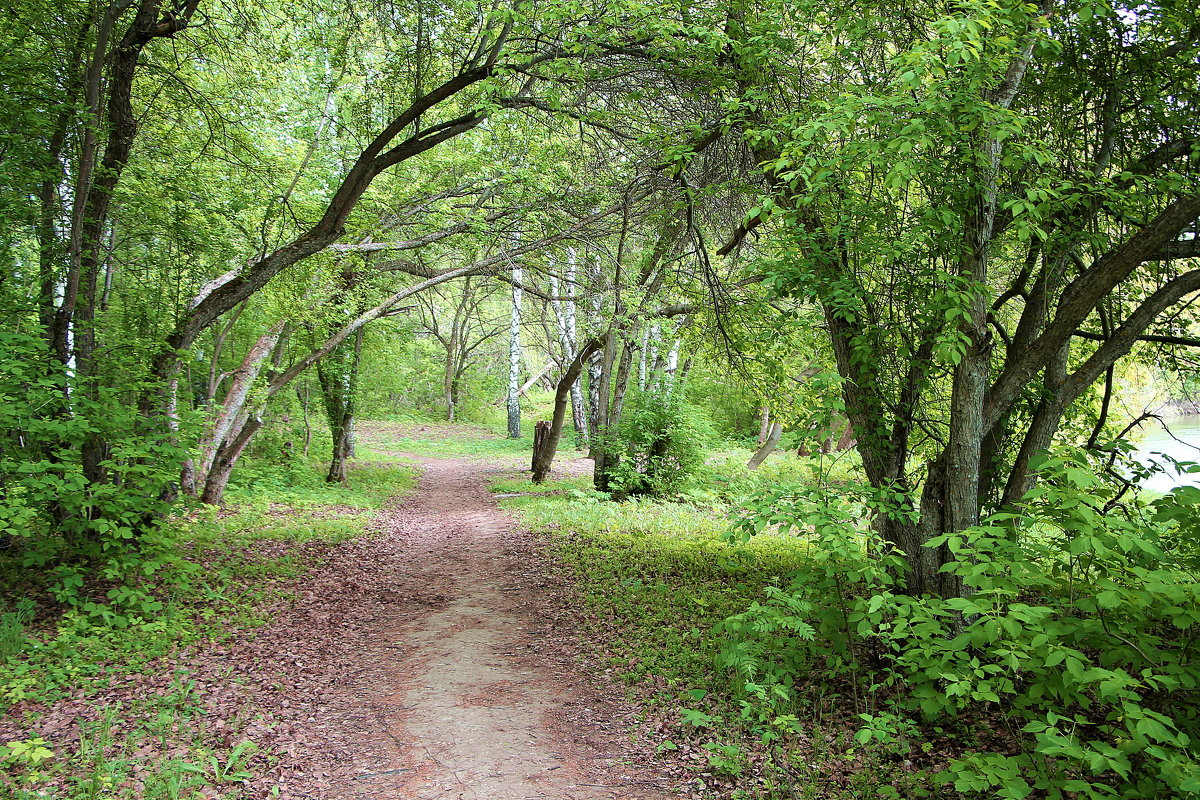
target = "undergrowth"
x: 653, y: 579
x: 226, y: 571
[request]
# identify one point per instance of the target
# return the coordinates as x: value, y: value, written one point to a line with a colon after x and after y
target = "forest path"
x: 460, y: 680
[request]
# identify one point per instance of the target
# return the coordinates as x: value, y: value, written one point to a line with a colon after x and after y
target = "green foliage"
x: 61, y: 521
x: 660, y: 443
x: 727, y: 480
x: 1075, y: 629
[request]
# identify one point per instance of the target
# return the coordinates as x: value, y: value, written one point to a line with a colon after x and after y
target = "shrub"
x: 661, y: 444
x: 1077, y: 630
x: 61, y: 521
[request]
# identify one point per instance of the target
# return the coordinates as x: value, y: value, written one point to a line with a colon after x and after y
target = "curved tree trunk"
x: 230, y: 423
x: 768, y: 446
x: 226, y: 459
x: 543, y: 455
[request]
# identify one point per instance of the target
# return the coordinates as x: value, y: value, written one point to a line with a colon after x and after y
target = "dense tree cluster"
x: 935, y: 229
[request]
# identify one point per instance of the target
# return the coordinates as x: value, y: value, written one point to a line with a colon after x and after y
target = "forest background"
x: 960, y: 236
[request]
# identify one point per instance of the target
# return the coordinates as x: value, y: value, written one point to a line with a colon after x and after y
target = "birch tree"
x: 565, y: 318
x: 513, y: 396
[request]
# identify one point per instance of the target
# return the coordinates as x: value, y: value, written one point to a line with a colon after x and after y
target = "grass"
x: 224, y: 573
x: 457, y: 440
x: 373, y: 479
x: 660, y: 573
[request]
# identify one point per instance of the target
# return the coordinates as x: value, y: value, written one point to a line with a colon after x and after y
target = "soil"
x: 462, y: 675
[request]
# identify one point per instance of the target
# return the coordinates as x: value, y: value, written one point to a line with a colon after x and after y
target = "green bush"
x: 1076, y: 634
x: 75, y: 528
x: 660, y: 442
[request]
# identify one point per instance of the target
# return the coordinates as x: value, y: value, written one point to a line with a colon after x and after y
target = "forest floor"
x: 435, y: 657
x: 463, y: 682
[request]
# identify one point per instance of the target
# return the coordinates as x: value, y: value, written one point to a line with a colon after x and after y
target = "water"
x: 1177, y: 437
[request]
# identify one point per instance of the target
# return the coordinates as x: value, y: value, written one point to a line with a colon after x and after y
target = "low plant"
x: 1074, y: 635
x: 659, y: 445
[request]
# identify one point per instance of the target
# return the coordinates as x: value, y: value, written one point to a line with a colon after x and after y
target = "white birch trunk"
x: 233, y: 414
x: 672, y: 365
x: 595, y: 364
x: 514, y: 358
x: 564, y: 315
x: 578, y: 411
x: 644, y: 360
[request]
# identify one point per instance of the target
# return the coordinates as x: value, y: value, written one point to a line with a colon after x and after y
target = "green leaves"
x: 72, y: 527
x: 1076, y: 629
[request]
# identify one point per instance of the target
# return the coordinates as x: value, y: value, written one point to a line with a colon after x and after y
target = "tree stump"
x: 541, y: 439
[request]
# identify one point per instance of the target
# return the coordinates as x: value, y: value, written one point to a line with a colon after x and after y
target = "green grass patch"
x: 156, y: 747
x: 456, y: 440
x: 578, y: 485
x: 373, y: 479
x: 653, y: 577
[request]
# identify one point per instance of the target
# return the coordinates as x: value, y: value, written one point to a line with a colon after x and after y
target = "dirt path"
x: 435, y: 659
x: 457, y: 678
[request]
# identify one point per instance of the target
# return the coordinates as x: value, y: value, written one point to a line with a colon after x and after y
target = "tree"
x: 513, y: 396
x: 565, y: 316
x: 457, y: 322
x: 959, y: 199
x: 143, y: 159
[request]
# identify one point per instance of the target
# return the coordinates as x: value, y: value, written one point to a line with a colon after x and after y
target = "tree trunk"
x: 847, y: 439
x: 541, y: 435
x: 644, y: 360
x: 578, y: 410
x: 767, y: 447
x: 229, y: 421
x: 543, y: 455
x: 597, y: 372
x: 339, y: 387
x: 564, y: 314
x: 343, y: 448
x: 602, y: 458
x: 764, y: 425
x: 226, y: 459
x: 450, y: 377
x: 669, y: 378
x: 514, y: 358
x: 923, y: 573
x: 304, y: 400
x: 541, y: 373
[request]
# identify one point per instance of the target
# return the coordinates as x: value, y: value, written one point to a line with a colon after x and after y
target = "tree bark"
x: 565, y: 316
x: 514, y: 358
x: 543, y: 456
x: 766, y: 448
x: 339, y: 388
x: 764, y: 425
x: 230, y: 420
